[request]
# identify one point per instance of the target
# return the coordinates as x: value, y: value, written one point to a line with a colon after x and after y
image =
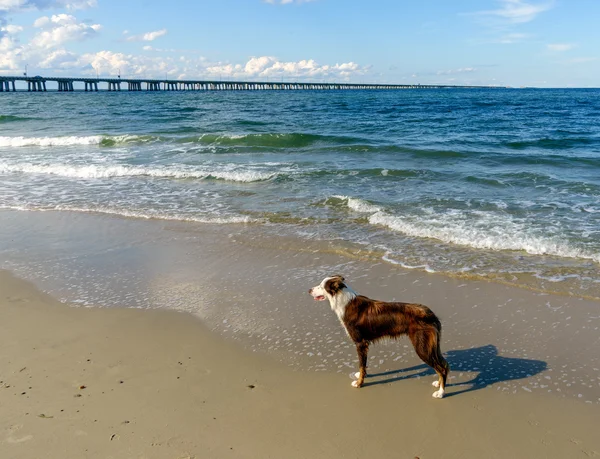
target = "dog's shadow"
x: 490, y: 367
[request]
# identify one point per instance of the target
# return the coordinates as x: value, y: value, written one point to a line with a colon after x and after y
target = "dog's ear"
x: 334, y: 285
x: 340, y: 276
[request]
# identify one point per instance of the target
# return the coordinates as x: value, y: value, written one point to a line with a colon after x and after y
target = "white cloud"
x: 60, y: 29
x: 511, y: 38
x: 81, y: 4
x: 582, y: 60
x: 517, y: 11
x: 108, y: 62
x: 41, y: 22
x: 270, y: 67
x: 149, y: 36
x: 12, y: 6
x: 58, y: 59
x: 18, y: 6
x: 10, y: 52
x: 62, y: 61
x: 15, y: 5
x: 455, y: 71
x: 11, y: 29
x: 560, y: 47
x: 46, y: 47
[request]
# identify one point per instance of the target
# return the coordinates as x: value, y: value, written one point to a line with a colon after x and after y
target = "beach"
x: 131, y: 382
x: 217, y: 218
x: 154, y: 273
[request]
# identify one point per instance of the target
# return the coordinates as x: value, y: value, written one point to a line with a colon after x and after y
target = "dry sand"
x: 125, y: 383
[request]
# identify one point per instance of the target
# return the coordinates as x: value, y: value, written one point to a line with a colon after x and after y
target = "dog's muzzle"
x: 316, y: 297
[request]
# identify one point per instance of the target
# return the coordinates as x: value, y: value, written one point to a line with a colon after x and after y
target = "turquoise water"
x: 499, y: 183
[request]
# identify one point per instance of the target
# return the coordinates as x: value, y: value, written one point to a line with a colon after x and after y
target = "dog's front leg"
x: 362, y: 349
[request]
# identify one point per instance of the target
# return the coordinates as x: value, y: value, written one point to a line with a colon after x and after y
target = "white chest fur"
x: 340, y: 301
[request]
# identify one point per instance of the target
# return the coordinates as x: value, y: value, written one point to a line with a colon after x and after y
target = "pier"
x: 66, y: 84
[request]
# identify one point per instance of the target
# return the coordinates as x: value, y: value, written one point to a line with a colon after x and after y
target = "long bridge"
x: 67, y: 84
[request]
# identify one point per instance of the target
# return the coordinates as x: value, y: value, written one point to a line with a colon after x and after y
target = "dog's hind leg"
x: 442, y: 369
x: 362, y: 349
x: 427, y: 347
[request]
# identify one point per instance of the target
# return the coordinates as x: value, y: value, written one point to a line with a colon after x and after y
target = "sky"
x: 541, y: 43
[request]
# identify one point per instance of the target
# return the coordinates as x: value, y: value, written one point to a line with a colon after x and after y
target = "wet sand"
x: 119, y: 382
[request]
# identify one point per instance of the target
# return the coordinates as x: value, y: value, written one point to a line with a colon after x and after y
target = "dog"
x: 367, y: 321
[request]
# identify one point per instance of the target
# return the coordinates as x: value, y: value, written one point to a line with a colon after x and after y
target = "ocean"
x: 497, y: 184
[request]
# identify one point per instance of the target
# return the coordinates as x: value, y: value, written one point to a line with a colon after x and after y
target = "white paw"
x: 354, y: 383
x: 438, y: 394
x: 436, y: 383
x: 356, y: 375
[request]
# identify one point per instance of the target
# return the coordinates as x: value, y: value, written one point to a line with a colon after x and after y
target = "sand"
x: 128, y: 383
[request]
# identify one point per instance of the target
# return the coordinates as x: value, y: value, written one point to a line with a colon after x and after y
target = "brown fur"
x: 368, y: 321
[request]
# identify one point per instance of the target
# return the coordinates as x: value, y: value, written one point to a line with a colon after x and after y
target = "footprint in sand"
x: 10, y: 438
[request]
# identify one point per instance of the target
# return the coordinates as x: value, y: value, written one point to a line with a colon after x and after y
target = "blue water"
x: 495, y: 183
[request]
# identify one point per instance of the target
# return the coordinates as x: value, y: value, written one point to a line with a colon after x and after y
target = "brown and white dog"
x: 367, y: 321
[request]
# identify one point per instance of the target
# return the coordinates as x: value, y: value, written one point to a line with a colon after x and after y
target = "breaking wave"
x: 355, y: 204
x: 261, y: 140
x: 100, y: 140
x: 100, y: 172
x: 487, y: 234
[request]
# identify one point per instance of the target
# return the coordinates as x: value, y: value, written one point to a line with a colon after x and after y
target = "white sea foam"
x: 557, y: 278
x: 484, y: 234
x: 389, y: 259
x: 106, y: 171
x: 21, y: 141
x: 146, y: 215
x: 591, y: 210
x: 243, y: 176
x: 49, y: 141
x: 359, y: 205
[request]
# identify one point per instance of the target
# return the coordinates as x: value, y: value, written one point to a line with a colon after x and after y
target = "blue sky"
x: 544, y: 43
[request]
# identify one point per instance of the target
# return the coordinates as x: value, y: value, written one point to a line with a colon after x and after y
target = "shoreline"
x: 263, y: 226
x: 122, y: 383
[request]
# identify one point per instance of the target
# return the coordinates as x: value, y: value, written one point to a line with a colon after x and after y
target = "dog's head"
x: 328, y: 288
